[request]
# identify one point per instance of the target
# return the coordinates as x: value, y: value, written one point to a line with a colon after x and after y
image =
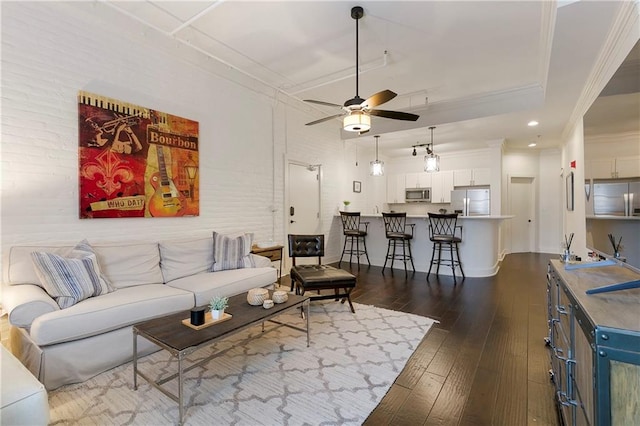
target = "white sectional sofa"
x: 70, y: 345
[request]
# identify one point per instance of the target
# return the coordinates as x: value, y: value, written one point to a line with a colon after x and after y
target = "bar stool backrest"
x: 306, y: 246
x: 394, y: 223
x: 442, y: 225
x: 350, y: 221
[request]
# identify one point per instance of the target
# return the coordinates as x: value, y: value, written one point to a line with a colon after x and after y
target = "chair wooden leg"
x: 404, y: 257
x: 386, y: 257
x: 393, y: 255
x: 348, y: 297
x: 411, y: 256
x: 357, y: 251
x: 433, y: 255
x: 453, y: 264
x: 344, y: 247
x: 459, y: 262
x: 366, y: 253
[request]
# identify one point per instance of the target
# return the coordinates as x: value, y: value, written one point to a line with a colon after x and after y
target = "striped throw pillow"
x: 231, y: 252
x: 72, y: 278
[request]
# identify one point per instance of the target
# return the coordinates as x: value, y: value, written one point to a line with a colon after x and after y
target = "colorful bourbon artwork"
x: 134, y: 161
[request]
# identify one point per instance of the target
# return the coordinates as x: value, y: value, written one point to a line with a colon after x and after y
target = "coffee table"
x: 179, y: 340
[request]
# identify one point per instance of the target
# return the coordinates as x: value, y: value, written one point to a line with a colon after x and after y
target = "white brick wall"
x: 50, y: 50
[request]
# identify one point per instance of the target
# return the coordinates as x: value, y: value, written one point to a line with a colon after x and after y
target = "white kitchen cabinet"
x: 441, y: 186
x: 395, y: 188
x: 472, y: 177
x: 628, y: 167
x: 418, y: 180
x: 611, y: 168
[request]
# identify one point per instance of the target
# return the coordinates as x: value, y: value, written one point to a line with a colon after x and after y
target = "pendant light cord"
x: 357, y: 56
x: 377, y: 148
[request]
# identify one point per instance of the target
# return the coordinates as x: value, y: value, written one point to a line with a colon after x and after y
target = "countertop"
x: 610, y: 217
x: 424, y: 216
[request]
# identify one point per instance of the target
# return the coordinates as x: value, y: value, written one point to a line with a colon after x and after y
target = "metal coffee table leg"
x: 135, y: 360
x: 180, y: 385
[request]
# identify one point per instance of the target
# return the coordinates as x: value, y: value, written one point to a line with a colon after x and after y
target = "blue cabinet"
x: 594, y: 343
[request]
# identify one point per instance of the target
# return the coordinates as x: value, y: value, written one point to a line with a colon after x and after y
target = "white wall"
x: 544, y: 168
x: 51, y: 50
x: 574, y: 221
x: 550, y: 202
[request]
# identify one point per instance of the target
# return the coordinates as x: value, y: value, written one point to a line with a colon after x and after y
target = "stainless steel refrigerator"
x: 616, y: 198
x: 471, y: 202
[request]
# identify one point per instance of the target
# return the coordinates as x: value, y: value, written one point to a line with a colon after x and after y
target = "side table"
x: 272, y: 253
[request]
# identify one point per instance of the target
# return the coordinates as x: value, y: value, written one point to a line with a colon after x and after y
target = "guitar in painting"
x: 166, y: 199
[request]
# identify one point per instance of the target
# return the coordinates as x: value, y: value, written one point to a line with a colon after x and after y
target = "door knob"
x: 292, y: 221
x: 529, y: 221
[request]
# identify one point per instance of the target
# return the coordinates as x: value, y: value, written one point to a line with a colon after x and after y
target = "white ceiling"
x: 478, y: 70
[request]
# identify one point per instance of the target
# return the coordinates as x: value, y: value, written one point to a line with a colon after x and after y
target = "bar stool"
x: 442, y: 232
x: 395, y: 227
x: 353, y: 234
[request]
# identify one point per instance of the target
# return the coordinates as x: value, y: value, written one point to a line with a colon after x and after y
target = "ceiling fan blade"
x: 395, y: 115
x: 378, y: 99
x: 322, y: 103
x: 322, y: 120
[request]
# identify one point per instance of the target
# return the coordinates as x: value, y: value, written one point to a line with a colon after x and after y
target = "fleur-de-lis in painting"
x: 109, y: 171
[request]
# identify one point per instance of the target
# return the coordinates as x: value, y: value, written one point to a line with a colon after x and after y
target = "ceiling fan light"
x: 431, y: 163
x: 356, y: 122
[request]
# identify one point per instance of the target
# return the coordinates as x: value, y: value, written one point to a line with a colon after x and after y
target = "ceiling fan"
x: 358, y: 111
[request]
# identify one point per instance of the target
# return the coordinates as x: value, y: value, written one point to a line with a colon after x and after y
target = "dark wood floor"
x: 485, y: 363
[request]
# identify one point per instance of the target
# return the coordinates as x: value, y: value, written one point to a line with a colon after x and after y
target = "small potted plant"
x: 217, y: 305
x: 346, y: 205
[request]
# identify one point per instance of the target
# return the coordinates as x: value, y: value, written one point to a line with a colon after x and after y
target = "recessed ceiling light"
x: 532, y: 144
x: 532, y: 123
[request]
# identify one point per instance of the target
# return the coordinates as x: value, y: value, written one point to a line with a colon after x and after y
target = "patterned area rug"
x: 274, y: 379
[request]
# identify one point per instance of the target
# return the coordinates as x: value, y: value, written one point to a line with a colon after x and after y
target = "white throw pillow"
x: 183, y: 258
x: 231, y: 252
x: 72, y: 278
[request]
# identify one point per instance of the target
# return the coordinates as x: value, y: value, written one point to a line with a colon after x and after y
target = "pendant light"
x: 431, y: 160
x: 377, y: 166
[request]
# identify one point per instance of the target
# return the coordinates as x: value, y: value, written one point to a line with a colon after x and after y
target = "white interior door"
x: 303, y: 210
x: 523, y: 208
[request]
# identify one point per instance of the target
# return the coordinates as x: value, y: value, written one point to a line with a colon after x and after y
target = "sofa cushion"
x: 108, y: 312
x: 124, y: 264
x: 127, y: 265
x: 231, y: 252
x: 72, y: 278
x: 185, y: 257
x: 21, y: 270
x: 225, y: 283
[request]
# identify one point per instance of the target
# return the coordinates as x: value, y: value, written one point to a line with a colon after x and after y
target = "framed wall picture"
x: 357, y: 186
x: 135, y: 161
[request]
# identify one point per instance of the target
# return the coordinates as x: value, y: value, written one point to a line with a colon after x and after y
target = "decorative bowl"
x: 256, y: 296
x: 280, y: 296
x: 267, y: 304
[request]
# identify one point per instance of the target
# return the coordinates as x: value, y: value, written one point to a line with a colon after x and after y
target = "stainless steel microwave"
x: 417, y: 195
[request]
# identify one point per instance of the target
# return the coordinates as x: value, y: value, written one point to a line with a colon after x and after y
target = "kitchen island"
x: 480, y: 250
